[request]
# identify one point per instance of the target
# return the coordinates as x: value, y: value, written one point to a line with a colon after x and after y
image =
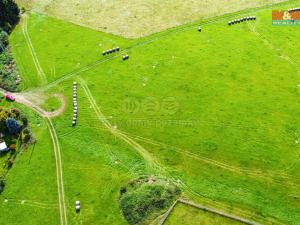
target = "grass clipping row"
x: 143, y: 199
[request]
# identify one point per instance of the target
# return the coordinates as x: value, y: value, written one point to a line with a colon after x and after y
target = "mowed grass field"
x: 217, y: 111
x: 187, y: 215
x: 137, y: 18
x: 30, y: 195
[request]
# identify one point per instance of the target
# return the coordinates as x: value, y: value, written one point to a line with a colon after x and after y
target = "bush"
x: 10, y: 163
x: 2, y: 185
x: 143, y: 199
x: 13, y: 126
x: 13, y: 147
x: 3, y: 39
x: 24, y: 120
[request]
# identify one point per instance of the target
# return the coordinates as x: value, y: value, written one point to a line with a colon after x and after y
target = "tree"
x: 26, y: 135
x: 9, y: 15
x: 3, y: 118
x: 13, y: 126
x: 3, y: 40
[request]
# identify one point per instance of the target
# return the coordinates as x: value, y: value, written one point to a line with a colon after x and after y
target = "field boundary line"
x: 36, y: 62
x: 167, y: 214
x: 205, y: 209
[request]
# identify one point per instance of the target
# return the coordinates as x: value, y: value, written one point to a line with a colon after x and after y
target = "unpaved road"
x: 20, y: 98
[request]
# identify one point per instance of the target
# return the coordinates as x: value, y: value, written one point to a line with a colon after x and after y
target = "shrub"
x: 26, y: 135
x: 13, y: 126
x: 123, y: 190
x: 143, y: 199
x: 13, y: 147
x: 24, y: 120
x: 3, y: 39
x: 2, y: 185
x: 10, y: 163
x: 26, y: 138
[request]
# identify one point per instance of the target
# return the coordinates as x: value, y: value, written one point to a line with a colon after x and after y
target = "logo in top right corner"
x: 289, y: 17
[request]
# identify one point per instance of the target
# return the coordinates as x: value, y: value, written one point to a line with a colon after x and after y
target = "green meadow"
x: 186, y: 215
x: 216, y: 112
x: 30, y: 194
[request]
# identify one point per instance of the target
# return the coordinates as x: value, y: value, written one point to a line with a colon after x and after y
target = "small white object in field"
x: 154, y: 66
x: 23, y: 201
x: 110, y: 117
x: 144, y: 84
x: 115, y: 127
x: 116, y: 162
x: 5, y: 200
x: 296, y: 141
x: 77, y: 202
x: 77, y: 207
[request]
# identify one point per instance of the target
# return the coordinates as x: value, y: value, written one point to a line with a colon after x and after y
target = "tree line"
x: 9, y: 17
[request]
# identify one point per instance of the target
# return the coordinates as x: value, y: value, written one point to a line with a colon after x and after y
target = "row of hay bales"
x: 241, y: 20
x: 109, y: 51
x: 116, y: 49
x: 75, y: 115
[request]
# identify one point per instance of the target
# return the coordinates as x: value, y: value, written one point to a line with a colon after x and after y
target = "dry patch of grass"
x: 136, y: 18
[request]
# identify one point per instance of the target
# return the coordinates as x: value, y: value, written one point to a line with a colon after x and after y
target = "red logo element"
x: 286, y: 15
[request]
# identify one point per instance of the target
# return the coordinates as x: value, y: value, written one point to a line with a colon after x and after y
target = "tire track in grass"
x: 58, y: 162
x: 59, y: 173
x: 36, y: 62
x: 30, y: 203
x: 150, y: 159
x: 141, y: 150
x: 283, y: 56
x: 160, y: 36
x: 129, y: 139
x: 250, y: 172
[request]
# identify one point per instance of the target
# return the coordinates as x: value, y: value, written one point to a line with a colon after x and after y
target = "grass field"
x: 186, y: 215
x: 215, y: 112
x: 137, y: 18
x: 30, y: 195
